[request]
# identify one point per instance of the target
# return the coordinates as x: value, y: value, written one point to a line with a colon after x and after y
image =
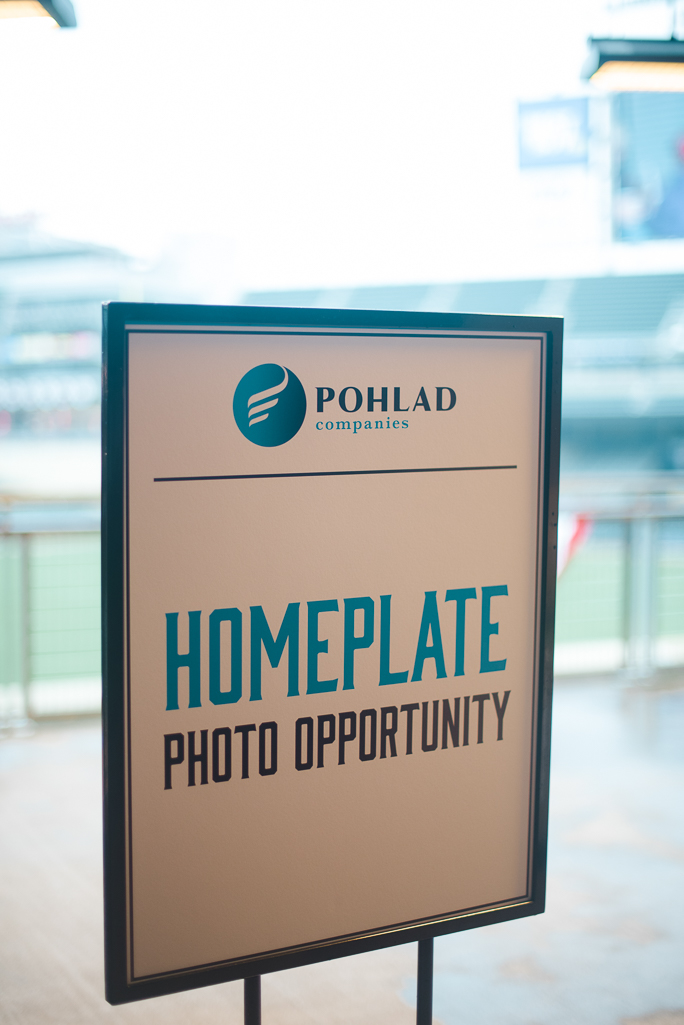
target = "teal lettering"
x: 316, y: 647
x: 387, y: 677
x: 351, y: 642
x: 216, y: 695
x: 260, y: 633
x: 174, y: 660
x: 429, y: 626
x: 460, y: 595
x: 489, y: 628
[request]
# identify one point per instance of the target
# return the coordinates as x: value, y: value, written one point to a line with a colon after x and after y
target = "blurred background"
x: 378, y: 154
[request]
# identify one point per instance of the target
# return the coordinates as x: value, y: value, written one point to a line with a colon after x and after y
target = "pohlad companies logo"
x: 269, y: 405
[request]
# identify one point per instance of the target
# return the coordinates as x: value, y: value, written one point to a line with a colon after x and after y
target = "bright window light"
x: 58, y: 12
x: 640, y: 76
x: 22, y: 9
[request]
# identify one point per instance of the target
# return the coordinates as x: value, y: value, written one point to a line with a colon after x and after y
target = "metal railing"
x: 620, y: 602
x: 620, y: 607
x: 49, y: 624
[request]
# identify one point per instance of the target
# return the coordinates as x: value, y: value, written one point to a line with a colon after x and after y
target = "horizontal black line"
x: 334, y: 473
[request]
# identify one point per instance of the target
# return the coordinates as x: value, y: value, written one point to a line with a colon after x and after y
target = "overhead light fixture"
x: 636, y: 65
x: 60, y: 11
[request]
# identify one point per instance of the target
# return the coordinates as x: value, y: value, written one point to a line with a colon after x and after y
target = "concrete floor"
x: 609, y: 950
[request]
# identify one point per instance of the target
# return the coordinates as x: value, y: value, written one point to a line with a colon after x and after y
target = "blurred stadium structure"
x: 51, y: 291
x: 621, y: 594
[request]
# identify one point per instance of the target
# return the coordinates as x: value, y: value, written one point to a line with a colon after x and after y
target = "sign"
x: 329, y: 571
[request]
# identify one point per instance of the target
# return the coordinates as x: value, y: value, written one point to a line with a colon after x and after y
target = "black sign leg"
x: 424, y: 1001
x: 253, y: 1000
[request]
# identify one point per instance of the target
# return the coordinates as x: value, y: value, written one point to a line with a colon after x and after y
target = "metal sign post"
x: 423, y: 1000
x: 425, y: 976
x: 253, y: 1000
x: 329, y: 550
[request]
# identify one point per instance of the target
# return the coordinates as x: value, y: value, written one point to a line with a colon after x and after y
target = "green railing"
x: 49, y: 624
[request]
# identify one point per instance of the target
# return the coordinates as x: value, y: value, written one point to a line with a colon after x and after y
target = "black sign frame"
x: 117, y: 315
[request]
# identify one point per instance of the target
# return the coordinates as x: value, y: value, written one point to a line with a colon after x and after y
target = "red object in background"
x: 573, y: 531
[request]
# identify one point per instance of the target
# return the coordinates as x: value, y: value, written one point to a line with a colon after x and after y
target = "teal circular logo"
x: 269, y: 405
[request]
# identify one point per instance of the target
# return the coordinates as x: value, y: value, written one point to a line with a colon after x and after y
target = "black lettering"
x: 323, y: 737
x: 398, y: 408
x: 409, y: 709
x: 466, y: 721
x: 216, y: 774
x: 272, y: 728
x: 449, y: 723
x: 202, y: 757
x: 480, y: 698
x: 346, y: 738
x: 343, y: 399
x: 432, y: 746
x: 500, y: 710
x: 169, y: 759
x: 389, y: 722
x: 323, y: 395
x: 245, y: 731
x: 368, y: 715
x: 440, y: 399
x: 422, y: 400
x: 300, y: 725
x: 372, y: 401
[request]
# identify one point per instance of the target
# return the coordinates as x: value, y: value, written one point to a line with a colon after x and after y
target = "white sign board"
x: 329, y: 563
